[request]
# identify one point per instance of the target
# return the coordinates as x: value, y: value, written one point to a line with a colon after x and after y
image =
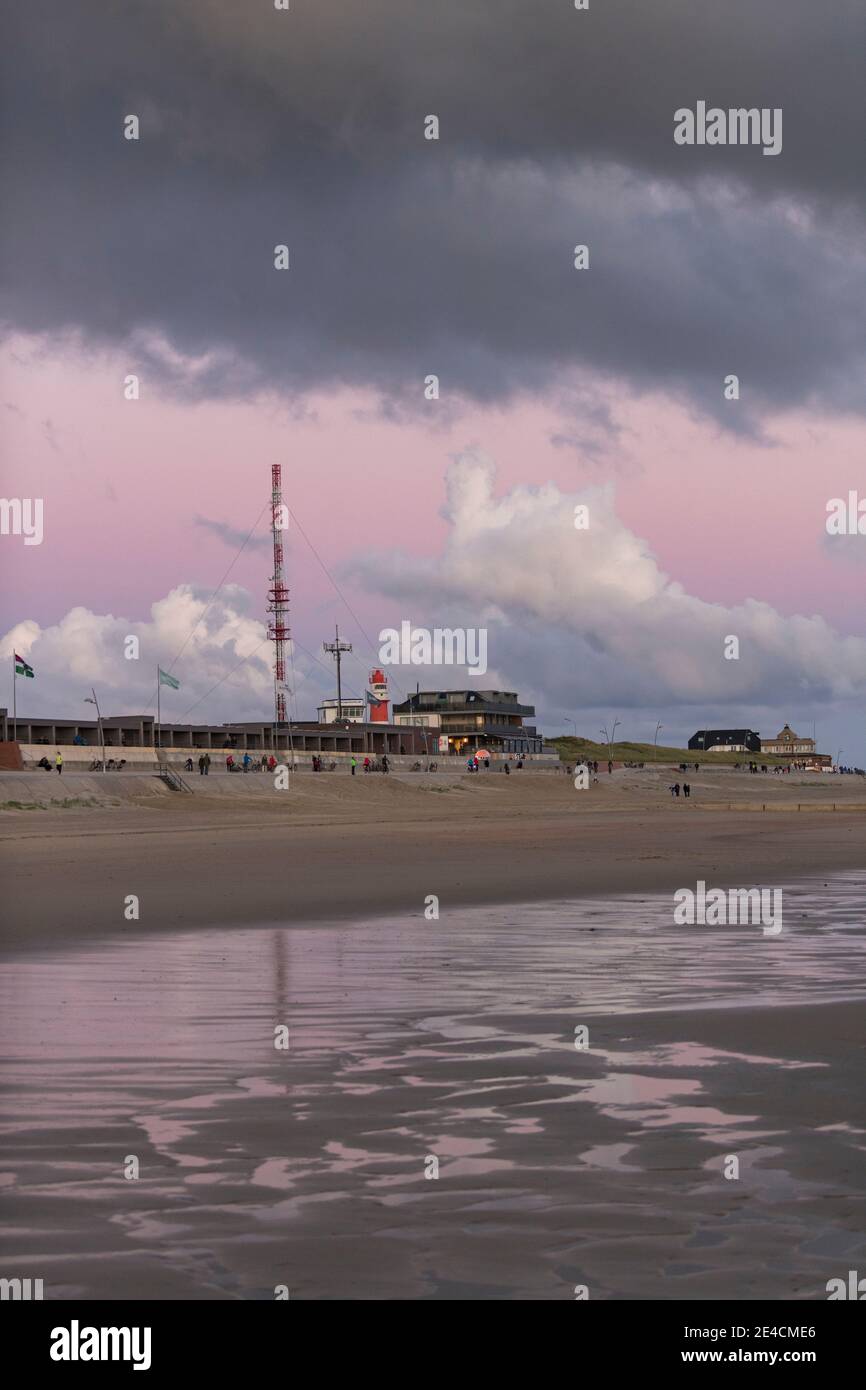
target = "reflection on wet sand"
x: 452, y: 1040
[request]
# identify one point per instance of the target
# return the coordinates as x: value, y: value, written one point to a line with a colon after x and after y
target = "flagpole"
x: 14, y: 699
x: 158, y: 720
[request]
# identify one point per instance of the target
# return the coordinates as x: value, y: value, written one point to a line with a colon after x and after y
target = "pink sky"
x: 123, y: 481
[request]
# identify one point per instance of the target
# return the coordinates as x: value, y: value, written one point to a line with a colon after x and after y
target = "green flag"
x: 22, y: 668
x: 166, y: 679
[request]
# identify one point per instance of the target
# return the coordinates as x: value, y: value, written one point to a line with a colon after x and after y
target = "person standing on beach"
x: 58, y: 763
x: 384, y: 763
x: 201, y: 764
x: 206, y: 764
x: 687, y: 791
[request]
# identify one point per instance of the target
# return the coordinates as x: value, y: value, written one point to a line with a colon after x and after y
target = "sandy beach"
x: 349, y: 847
x: 411, y: 1040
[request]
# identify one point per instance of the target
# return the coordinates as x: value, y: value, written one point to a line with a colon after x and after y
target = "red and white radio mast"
x: 278, y: 596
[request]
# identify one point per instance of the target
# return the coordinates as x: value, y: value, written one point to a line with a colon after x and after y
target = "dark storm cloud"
x: 412, y: 257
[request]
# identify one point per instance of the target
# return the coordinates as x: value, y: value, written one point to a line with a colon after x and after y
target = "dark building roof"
x: 711, y: 738
x: 476, y: 701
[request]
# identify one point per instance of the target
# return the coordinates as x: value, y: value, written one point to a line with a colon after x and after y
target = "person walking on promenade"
x: 201, y: 764
x: 58, y: 763
x: 354, y: 764
x: 687, y: 791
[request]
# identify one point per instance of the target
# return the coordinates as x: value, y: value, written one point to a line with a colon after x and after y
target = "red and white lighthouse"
x: 377, y: 697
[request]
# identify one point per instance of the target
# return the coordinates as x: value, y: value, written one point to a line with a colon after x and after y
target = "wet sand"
x: 411, y: 1040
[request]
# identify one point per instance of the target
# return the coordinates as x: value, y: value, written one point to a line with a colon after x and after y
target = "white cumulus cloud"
x: 220, y: 644
x: 588, y: 618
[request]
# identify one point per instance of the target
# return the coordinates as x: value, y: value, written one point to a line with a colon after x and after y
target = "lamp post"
x: 609, y: 737
x: 100, y: 733
x: 839, y: 758
x: 659, y: 727
x: 566, y: 720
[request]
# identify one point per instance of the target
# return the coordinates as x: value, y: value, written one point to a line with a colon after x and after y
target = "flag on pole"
x: 22, y: 668
x: 166, y: 679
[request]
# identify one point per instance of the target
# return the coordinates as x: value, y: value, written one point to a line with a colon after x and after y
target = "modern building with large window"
x: 464, y: 721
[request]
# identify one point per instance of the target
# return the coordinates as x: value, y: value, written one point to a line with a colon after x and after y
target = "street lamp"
x: 659, y: 727
x: 609, y: 737
x: 566, y: 720
x: 100, y: 733
x: 839, y: 758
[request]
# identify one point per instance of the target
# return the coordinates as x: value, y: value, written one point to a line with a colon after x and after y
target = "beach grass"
x: 573, y: 749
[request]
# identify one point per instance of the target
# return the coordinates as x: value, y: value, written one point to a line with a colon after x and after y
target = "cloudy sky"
x: 455, y: 257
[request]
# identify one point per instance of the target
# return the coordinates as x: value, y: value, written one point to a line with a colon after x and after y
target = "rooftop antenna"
x: 336, y: 648
x: 278, y: 598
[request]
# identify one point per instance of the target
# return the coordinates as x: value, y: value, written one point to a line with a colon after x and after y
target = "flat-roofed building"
x: 463, y: 721
x: 351, y: 709
x: 133, y: 732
